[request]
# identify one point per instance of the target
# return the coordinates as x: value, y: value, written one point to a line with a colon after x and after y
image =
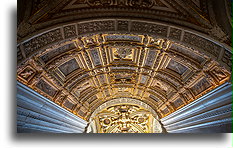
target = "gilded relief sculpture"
x: 82, y: 63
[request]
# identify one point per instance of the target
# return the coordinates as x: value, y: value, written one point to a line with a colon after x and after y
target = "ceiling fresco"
x: 162, y: 53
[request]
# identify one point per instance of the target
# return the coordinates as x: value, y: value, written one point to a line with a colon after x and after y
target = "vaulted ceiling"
x: 83, y: 53
x: 125, y: 118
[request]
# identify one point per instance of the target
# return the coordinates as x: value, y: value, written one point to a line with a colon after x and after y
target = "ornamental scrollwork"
x: 129, y: 3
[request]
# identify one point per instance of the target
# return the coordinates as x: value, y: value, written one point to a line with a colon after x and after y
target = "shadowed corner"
x: 36, y: 137
x: 12, y: 61
x: 232, y: 63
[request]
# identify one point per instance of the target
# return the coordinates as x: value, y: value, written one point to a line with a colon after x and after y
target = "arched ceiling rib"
x: 119, y: 101
x: 83, y: 71
x: 83, y: 64
x: 196, y: 14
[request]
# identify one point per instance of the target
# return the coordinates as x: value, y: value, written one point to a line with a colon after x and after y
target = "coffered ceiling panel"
x: 160, y: 72
x: 83, y: 53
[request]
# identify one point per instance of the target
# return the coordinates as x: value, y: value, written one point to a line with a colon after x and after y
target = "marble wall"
x: 210, y: 113
x: 36, y: 113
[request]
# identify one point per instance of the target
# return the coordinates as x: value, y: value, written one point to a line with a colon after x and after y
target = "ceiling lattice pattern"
x: 85, y: 72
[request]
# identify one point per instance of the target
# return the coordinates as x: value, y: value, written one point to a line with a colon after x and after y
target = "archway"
x: 81, y: 62
x: 82, y: 73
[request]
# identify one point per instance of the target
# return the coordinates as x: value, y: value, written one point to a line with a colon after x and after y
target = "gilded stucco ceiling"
x: 81, y: 64
x: 124, y: 115
x: 83, y: 73
x: 125, y: 118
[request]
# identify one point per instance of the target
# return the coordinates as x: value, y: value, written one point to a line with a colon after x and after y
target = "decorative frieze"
x: 70, y: 31
x: 129, y: 3
x: 34, y: 44
x: 122, y: 25
x: 97, y: 26
x: 150, y: 28
x: 202, y: 43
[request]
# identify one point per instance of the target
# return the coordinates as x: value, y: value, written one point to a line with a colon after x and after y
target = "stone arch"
x: 101, y: 113
x: 118, y: 101
x: 59, y: 34
x: 82, y: 54
x: 44, y: 55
